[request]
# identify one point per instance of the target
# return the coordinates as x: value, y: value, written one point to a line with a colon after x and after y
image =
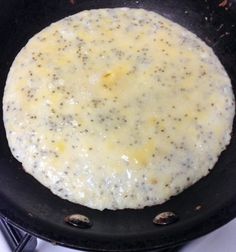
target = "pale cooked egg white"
x: 117, y: 108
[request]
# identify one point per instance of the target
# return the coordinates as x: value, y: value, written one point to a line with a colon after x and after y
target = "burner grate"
x: 17, y: 240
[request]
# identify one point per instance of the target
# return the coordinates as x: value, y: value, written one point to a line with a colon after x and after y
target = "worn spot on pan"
x: 165, y: 218
x: 73, y: 2
x: 198, y: 207
x: 226, y: 4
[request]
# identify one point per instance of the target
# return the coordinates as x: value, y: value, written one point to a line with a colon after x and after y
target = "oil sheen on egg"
x: 117, y: 108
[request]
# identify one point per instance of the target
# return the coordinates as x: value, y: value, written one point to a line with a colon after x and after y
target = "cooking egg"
x: 117, y: 108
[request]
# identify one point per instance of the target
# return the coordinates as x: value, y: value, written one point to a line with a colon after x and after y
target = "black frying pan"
x: 31, y: 206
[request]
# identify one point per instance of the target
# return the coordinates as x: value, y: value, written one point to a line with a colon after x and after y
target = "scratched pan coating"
x: 28, y: 204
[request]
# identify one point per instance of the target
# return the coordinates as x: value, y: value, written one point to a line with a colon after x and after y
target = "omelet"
x: 117, y: 108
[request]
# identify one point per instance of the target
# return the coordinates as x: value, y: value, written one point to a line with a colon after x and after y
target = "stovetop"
x: 221, y: 240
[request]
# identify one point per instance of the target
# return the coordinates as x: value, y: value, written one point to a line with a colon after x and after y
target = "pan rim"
x: 223, y: 215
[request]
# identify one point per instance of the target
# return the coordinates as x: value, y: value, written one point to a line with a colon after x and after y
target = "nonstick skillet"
x: 205, y: 206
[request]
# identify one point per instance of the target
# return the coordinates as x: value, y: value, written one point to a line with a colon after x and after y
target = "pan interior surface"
x: 28, y: 204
